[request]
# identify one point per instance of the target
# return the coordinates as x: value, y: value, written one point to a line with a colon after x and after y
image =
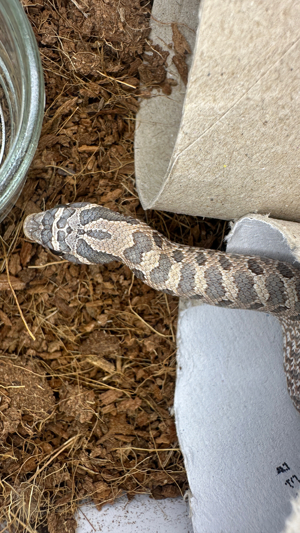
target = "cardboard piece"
x: 237, y: 146
x: 159, y: 117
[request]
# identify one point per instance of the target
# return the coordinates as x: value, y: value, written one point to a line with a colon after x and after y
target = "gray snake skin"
x: 88, y: 233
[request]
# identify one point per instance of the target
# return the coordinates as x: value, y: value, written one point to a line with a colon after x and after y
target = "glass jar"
x: 22, y: 100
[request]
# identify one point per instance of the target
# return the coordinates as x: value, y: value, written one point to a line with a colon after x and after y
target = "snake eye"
x: 58, y: 206
x: 55, y: 252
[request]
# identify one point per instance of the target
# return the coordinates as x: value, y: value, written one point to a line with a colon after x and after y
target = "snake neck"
x: 88, y: 233
x: 217, y: 278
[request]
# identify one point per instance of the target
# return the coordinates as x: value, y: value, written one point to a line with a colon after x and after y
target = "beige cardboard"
x: 158, y: 120
x: 238, y: 145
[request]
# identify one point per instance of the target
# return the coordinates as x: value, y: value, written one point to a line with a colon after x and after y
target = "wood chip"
x: 102, y: 363
x: 110, y: 396
x: 181, y: 45
x: 15, y: 282
x: 85, y: 148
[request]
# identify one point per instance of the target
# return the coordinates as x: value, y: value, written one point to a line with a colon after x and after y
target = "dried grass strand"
x: 14, y: 294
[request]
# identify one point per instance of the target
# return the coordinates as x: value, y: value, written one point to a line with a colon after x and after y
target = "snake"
x: 87, y: 233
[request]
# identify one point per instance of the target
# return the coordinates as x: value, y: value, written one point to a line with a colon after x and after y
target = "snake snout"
x: 32, y: 227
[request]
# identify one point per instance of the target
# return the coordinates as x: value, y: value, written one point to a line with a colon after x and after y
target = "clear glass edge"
x: 14, y: 172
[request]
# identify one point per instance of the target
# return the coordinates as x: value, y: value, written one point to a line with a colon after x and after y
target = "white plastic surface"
x: 237, y: 427
x: 140, y: 515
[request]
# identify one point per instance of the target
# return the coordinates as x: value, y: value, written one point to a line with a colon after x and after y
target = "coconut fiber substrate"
x: 87, y: 353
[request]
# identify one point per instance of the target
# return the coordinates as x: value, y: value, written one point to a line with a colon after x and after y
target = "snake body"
x: 86, y: 233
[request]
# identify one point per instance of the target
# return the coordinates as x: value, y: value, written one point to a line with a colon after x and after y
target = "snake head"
x: 36, y: 228
x: 78, y: 232
x: 50, y: 228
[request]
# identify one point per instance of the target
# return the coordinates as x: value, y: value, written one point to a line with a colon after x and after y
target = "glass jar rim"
x: 13, y: 169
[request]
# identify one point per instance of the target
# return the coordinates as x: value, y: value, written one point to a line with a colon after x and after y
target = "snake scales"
x: 88, y: 233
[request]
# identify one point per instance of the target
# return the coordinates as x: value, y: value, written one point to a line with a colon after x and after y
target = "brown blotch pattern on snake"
x: 280, y: 309
x: 96, y: 213
x: 138, y: 274
x: 200, y: 258
x: 177, y: 256
x: 214, y: 279
x: 67, y: 213
x: 256, y: 306
x: 161, y: 273
x: 246, y: 291
x: 142, y: 244
x: 284, y: 270
x: 47, y: 223
x: 187, y: 279
x: 297, y: 287
x: 98, y: 234
x: 225, y: 303
x: 255, y: 267
x: 61, y: 239
x: 157, y: 239
x: 276, y: 290
x: 224, y: 262
x: 94, y: 256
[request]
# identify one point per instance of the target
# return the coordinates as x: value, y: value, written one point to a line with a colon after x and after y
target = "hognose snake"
x: 88, y: 233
